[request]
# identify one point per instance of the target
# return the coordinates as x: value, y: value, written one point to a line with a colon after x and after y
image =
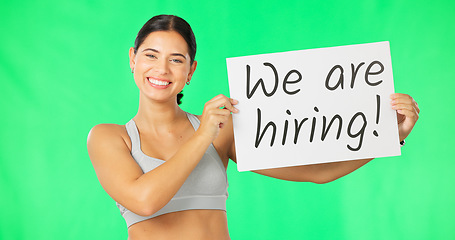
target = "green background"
x: 64, y: 68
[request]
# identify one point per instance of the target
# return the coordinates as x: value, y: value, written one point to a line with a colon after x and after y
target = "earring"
x: 188, y: 83
x: 132, y: 70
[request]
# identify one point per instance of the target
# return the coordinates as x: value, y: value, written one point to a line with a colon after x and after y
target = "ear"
x: 192, y: 69
x: 132, y: 59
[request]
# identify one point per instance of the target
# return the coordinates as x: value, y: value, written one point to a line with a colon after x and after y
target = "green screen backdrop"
x: 64, y: 68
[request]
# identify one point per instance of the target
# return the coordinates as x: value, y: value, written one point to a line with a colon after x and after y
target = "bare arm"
x: 123, y: 179
x: 408, y: 114
x: 145, y: 194
x: 316, y: 173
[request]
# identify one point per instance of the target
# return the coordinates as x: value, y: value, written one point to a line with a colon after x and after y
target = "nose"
x: 162, y: 66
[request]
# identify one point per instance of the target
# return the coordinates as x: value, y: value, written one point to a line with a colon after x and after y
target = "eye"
x: 151, y: 56
x: 176, y: 60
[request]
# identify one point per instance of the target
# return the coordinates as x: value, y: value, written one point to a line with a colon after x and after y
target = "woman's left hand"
x: 407, y: 113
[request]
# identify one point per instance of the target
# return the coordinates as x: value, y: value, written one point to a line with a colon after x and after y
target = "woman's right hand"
x: 216, y: 112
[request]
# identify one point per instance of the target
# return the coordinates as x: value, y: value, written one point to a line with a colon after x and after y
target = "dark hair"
x: 168, y: 23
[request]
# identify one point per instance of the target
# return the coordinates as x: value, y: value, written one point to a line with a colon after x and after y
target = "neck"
x: 155, y: 116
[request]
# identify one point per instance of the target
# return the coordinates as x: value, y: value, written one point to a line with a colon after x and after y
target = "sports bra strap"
x: 193, y: 120
x: 134, y: 136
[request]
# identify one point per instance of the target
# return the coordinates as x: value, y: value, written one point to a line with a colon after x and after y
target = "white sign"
x: 313, y: 106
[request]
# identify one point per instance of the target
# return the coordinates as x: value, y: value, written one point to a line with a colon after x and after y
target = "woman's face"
x: 161, y: 65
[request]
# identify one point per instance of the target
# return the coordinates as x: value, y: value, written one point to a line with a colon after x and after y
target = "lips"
x: 158, y: 83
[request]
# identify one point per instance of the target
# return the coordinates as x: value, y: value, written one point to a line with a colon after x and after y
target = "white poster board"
x: 313, y: 106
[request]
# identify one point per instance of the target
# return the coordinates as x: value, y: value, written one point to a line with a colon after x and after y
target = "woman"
x: 166, y: 168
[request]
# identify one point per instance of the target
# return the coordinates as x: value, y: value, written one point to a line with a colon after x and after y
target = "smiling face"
x: 162, y: 65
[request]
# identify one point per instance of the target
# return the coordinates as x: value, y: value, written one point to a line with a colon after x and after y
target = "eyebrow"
x: 172, y: 54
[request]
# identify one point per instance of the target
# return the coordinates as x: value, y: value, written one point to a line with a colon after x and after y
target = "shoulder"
x: 108, y: 135
x: 102, y: 131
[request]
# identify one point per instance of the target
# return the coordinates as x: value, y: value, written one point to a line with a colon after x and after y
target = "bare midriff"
x: 189, y: 224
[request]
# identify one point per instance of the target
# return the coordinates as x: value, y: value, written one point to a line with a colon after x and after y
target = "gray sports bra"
x: 205, y: 187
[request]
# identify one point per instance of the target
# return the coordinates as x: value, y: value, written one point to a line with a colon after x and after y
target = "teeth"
x: 159, y: 83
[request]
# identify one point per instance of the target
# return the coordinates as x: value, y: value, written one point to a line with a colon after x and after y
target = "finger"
x: 233, y: 101
x: 221, y: 116
x: 224, y: 103
x: 216, y: 98
x: 231, y: 108
x: 400, y: 118
x: 219, y: 97
x: 218, y: 112
x: 411, y: 107
x: 411, y: 115
x: 403, y: 106
x: 401, y: 98
x: 216, y: 117
x: 416, y: 106
x: 399, y: 95
x: 221, y: 111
